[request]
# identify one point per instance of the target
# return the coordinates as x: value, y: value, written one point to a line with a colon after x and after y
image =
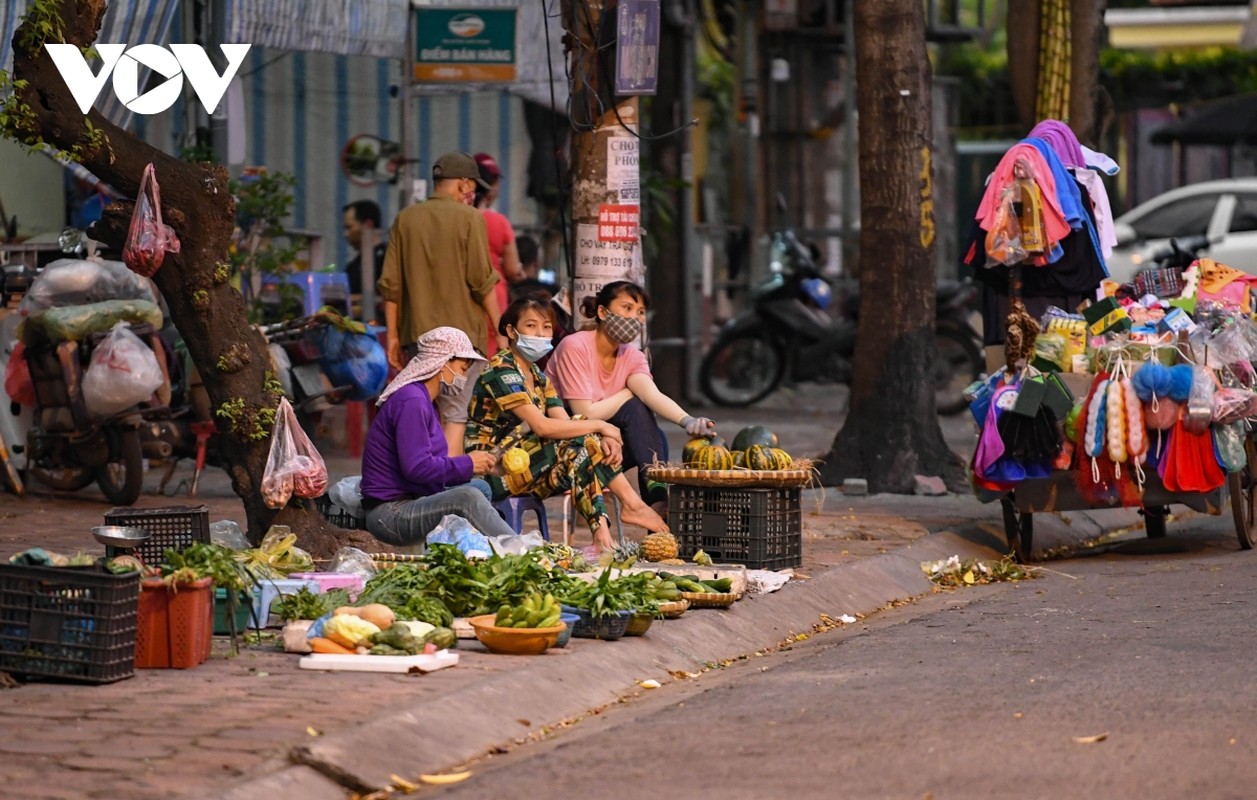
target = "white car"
x: 1225, y: 211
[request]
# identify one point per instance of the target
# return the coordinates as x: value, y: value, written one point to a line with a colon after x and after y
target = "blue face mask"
x: 533, y: 348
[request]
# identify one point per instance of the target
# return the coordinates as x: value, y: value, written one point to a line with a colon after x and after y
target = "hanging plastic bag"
x: 1003, y: 241
x: 149, y: 239
x: 123, y: 372
x: 294, y: 466
x: 356, y: 360
x: 17, y: 377
x: 1199, y: 411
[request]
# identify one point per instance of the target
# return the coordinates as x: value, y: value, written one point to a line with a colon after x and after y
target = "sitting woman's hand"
x: 613, y: 450
x: 609, y: 431
x: 482, y: 462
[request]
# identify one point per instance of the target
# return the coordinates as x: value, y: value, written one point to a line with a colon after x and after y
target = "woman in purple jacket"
x: 409, y: 480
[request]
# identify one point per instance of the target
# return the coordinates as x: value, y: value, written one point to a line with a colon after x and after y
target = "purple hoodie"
x: 405, y: 455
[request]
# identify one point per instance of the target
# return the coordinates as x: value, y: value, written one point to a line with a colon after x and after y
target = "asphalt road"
x: 974, y: 693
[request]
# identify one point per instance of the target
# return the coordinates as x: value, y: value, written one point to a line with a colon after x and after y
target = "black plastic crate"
x: 69, y: 623
x: 761, y: 528
x: 338, y: 516
x: 173, y: 527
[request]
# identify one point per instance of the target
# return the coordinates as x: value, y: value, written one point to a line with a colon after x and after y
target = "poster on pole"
x: 464, y: 45
x: 637, y: 47
x: 599, y: 262
x: 623, y: 170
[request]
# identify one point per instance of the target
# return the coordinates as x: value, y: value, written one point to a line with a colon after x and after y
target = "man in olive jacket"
x: 437, y: 271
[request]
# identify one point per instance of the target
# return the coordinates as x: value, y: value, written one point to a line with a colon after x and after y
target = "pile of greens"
x: 445, y: 584
x: 606, y: 596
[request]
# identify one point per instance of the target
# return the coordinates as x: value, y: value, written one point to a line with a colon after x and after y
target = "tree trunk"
x: 892, y: 433
x: 209, y: 313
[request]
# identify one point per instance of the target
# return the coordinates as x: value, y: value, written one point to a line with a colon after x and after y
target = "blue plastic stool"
x: 512, y: 510
x: 314, y: 288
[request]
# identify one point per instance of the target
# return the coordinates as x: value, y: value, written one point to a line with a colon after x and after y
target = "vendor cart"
x: 1059, y: 493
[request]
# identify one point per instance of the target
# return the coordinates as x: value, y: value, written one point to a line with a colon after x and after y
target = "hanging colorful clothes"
x: 1062, y: 140
x: 1055, y: 224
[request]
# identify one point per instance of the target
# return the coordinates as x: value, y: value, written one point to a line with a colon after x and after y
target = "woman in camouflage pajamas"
x: 514, y: 400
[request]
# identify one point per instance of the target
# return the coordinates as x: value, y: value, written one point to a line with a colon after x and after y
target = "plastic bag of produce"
x: 75, y: 323
x: 457, y: 531
x: 77, y: 282
x: 293, y: 466
x: 352, y: 561
x: 149, y: 239
x: 123, y: 372
x: 347, y: 494
x: 356, y: 360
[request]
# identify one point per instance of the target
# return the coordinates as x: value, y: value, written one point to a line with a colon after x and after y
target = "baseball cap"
x: 457, y: 165
x: 489, y: 168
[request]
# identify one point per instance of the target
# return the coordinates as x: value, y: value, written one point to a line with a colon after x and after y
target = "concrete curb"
x: 548, y: 689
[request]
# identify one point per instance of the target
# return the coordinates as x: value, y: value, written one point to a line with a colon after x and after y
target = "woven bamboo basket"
x: 800, y: 474
x: 674, y: 608
x: 709, y: 599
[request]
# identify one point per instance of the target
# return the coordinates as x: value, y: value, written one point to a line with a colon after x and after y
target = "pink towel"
x: 1054, y: 223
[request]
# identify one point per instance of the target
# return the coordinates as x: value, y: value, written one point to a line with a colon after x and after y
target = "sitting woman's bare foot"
x: 602, y: 538
x: 643, y: 516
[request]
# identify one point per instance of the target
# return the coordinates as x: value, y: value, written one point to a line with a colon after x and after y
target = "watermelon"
x: 753, y: 435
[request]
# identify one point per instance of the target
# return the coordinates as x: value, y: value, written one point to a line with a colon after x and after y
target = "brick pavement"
x: 166, y: 733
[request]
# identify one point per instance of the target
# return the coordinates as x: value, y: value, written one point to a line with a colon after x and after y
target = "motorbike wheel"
x: 742, y: 369
x: 959, y: 364
x: 63, y: 479
x: 122, y: 477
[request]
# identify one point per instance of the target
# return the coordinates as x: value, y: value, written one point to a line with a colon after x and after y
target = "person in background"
x: 565, y: 453
x: 438, y: 272
x: 601, y: 375
x: 357, y: 217
x: 409, y: 481
x: 502, y: 248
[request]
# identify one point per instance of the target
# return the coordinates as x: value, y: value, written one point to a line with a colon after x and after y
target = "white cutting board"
x: 346, y: 663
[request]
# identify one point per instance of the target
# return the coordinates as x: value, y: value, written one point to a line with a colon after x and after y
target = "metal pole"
x: 748, y: 40
x: 692, y: 260
x: 850, y: 145
x: 404, y: 87
x: 366, y: 262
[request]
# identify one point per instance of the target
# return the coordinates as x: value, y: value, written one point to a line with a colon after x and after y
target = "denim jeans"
x: 643, y: 444
x: 408, y: 522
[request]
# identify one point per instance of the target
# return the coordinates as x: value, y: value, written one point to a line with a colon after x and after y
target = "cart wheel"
x: 1154, y: 521
x: 1240, y: 485
x: 1019, y: 529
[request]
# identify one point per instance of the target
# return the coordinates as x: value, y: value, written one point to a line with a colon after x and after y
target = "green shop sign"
x: 464, y: 45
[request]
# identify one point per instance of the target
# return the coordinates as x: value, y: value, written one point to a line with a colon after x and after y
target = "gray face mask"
x: 455, y: 387
x: 622, y: 329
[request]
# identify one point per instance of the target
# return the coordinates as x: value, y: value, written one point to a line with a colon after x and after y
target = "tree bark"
x: 1023, y: 57
x: 209, y: 313
x: 892, y: 433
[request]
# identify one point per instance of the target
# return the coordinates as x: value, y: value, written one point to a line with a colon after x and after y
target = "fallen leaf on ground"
x: 310, y: 729
x: 1099, y: 737
x: 441, y: 780
x: 403, y: 784
x: 649, y: 684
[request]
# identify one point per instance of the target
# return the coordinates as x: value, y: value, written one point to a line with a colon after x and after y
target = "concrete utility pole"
x: 606, y: 178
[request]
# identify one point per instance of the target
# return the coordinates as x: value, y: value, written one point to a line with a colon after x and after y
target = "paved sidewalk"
x: 255, y: 722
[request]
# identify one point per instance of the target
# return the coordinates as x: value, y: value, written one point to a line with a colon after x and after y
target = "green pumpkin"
x: 712, y: 457
x: 739, y: 459
x: 753, y: 435
x: 766, y: 458
x: 697, y: 443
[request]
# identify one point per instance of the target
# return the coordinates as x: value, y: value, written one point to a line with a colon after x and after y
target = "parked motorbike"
x: 786, y: 335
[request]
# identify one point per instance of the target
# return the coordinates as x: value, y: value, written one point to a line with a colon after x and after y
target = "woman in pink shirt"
x: 601, y: 375
x: 502, y: 249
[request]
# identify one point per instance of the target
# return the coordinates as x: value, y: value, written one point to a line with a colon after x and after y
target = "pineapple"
x: 659, y: 546
x: 622, y: 557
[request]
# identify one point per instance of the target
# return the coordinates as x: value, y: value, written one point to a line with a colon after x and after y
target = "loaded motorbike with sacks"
x: 96, y: 375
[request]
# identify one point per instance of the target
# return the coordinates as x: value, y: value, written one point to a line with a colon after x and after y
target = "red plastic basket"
x: 176, y: 626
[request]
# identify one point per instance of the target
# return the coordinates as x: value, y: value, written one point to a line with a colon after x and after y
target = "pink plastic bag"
x: 149, y: 239
x: 294, y: 466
